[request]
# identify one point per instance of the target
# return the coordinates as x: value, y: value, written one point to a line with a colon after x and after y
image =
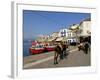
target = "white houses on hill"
x: 67, y: 34
x: 74, y: 34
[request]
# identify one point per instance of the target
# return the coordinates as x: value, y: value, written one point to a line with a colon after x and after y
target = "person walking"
x: 65, y: 50
x: 62, y: 51
x: 86, y: 47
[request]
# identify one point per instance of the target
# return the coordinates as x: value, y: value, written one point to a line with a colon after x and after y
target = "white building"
x: 67, y: 34
x: 63, y: 33
x: 71, y: 36
x: 85, y: 28
x: 73, y: 33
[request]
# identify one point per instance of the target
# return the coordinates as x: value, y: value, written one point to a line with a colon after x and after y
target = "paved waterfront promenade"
x: 45, y: 60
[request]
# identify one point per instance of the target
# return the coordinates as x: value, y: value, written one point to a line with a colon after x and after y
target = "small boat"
x: 36, y: 49
x: 40, y: 49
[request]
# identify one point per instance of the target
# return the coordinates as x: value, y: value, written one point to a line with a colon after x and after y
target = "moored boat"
x: 40, y: 48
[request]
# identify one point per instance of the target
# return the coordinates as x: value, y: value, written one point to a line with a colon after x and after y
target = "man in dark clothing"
x: 64, y: 50
x: 86, y: 47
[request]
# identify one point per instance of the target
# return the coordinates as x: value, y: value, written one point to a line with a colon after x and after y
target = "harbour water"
x: 26, y: 46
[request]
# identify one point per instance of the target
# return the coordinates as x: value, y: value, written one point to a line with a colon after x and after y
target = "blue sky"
x: 36, y: 23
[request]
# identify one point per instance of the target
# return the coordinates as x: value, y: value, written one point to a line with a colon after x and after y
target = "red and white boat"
x: 37, y: 48
x: 50, y: 48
